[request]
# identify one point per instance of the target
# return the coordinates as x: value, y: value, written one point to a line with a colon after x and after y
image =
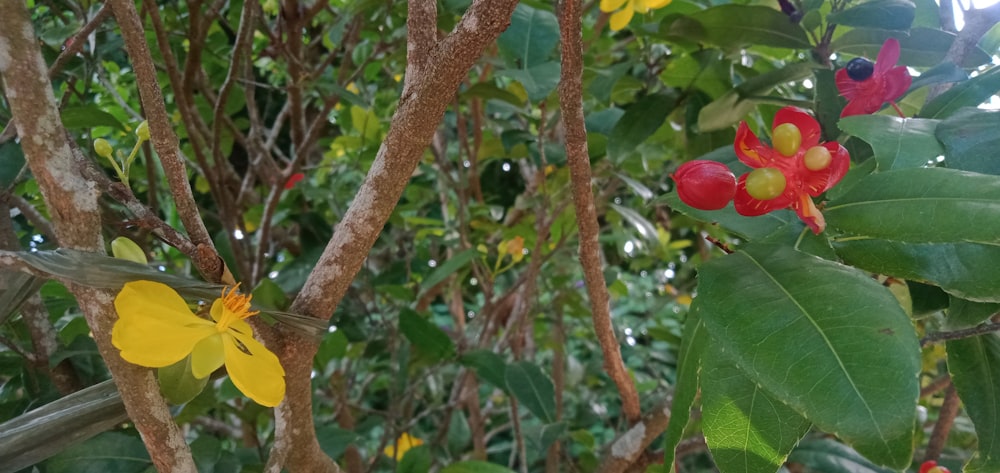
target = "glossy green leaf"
x: 733, y: 26
x: 475, y: 466
x: 746, y: 428
x: 966, y: 270
x: 823, y: 338
x: 426, y: 337
x: 532, y: 35
x: 964, y: 313
x: 737, y: 103
x: 88, y: 116
x: 489, y: 91
x: 489, y: 366
x: 533, y: 389
x: 971, y: 140
x: 885, y: 14
x: 943, y: 73
x: 539, y: 80
x: 639, y: 122
x: 693, y: 344
x: 922, y: 47
x: 897, y: 142
x: 830, y: 456
x: 178, y: 383
x: 974, y: 364
x: 920, y: 205
x: 110, y: 451
x: 753, y: 228
x: 969, y: 93
x: 447, y: 268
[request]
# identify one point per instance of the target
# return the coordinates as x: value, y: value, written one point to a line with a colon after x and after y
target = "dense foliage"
x: 848, y: 329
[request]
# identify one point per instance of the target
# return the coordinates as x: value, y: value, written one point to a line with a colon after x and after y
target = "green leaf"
x: 693, y: 343
x: 531, y: 36
x: 539, y: 80
x: 453, y: 264
x: 11, y: 162
x: 897, y: 142
x: 966, y: 270
x: 923, y: 47
x: 475, y: 466
x: 110, y: 451
x: 426, y: 337
x: 747, y: 429
x: 334, y: 440
x: 964, y: 313
x: 488, y: 365
x: 830, y: 456
x: 824, y: 338
x: 969, y: 93
x: 752, y: 228
x: 920, y: 205
x: 734, y: 26
x: 974, y: 364
x: 971, y: 140
x: 489, y: 91
x: 886, y: 14
x: 734, y: 105
x: 415, y: 460
x: 88, y: 116
x: 178, y: 383
x: 533, y: 389
x: 638, y: 123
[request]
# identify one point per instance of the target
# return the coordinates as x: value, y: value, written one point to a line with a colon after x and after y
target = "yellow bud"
x: 103, y: 148
x: 123, y: 248
x: 142, y: 131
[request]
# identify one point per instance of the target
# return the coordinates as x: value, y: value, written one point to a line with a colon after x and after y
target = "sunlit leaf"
x: 817, y: 335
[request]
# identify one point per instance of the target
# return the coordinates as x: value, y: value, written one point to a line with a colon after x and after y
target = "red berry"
x: 931, y: 466
x: 705, y: 185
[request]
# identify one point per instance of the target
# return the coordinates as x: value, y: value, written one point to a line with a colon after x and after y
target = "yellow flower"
x: 622, y: 16
x: 403, y: 443
x: 155, y: 328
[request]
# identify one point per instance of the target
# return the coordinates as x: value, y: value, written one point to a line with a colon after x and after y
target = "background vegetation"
x: 476, y: 197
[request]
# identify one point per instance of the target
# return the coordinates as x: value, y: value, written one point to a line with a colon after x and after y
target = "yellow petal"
x: 609, y: 6
x: 404, y: 443
x: 654, y: 4
x: 207, y: 356
x: 148, y: 299
x: 254, y: 369
x: 150, y: 342
x: 620, y: 19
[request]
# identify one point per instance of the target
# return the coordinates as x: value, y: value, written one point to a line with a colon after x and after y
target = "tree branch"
x: 73, y: 203
x: 414, y: 123
x: 164, y: 139
x: 578, y: 159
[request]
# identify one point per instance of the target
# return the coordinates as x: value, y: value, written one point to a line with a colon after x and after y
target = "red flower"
x: 931, y: 466
x: 791, y: 173
x: 867, y: 87
x: 294, y: 179
x: 705, y: 185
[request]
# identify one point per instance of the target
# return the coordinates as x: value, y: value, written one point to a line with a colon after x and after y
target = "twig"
x: 628, y: 447
x: 959, y: 334
x: 946, y: 418
x: 571, y: 100
x: 164, y: 140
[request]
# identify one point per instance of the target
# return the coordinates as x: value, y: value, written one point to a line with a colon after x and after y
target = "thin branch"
x: 959, y: 334
x: 164, y: 139
x: 578, y: 159
x: 628, y: 447
x: 946, y: 418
